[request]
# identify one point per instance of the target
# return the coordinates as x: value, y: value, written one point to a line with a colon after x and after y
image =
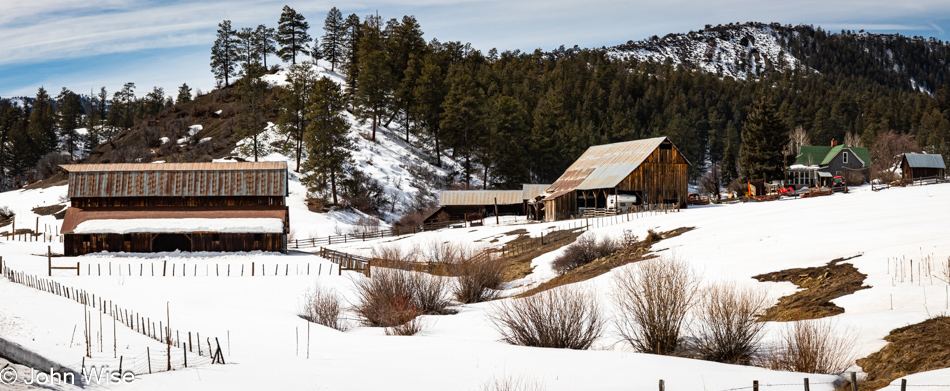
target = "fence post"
x: 148, y: 356
x: 662, y: 385
x: 854, y: 381
x: 120, y: 364
x: 903, y: 384
x: 806, y: 385
x: 755, y: 385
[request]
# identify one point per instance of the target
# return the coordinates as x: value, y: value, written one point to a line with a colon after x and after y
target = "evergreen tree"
x: 70, y: 118
x: 296, y: 102
x: 405, y: 49
x: 102, y: 107
x: 730, y: 169
x: 353, y: 35
x: 122, y: 110
x: 506, y: 150
x: 328, y: 142
x: 463, y: 120
x: 316, y: 53
x: 42, y: 127
x: 335, y: 31
x: 292, y: 35
x: 374, y: 85
x: 428, y: 95
x: 184, y: 94
x: 224, y: 52
x: 266, y: 42
x: 247, y: 51
x: 250, y: 121
x: 763, y: 141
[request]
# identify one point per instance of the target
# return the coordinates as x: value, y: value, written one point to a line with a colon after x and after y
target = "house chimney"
x: 833, y: 143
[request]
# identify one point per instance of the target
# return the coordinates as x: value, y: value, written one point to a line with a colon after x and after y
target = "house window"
x: 844, y: 158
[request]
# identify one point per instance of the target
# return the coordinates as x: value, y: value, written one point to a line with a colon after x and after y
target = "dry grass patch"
x: 519, y: 266
x: 912, y: 349
x: 632, y: 252
x: 820, y: 286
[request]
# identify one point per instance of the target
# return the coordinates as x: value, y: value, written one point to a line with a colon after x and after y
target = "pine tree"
x: 224, y: 53
x: 428, y: 95
x: 353, y: 35
x: 247, y: 53
x: 328, y: 142
x: 42, y: 127
x: 296, y: 101
x: 335, y: 30
x: 463, y: 120
x: 508, y: 130
x: 102, y: 106
x: 763, y: 142
x: 316, y: 53
x: 70, y: 118
x: 405, y: 48
x: 374, y: 85
x: 730, y: 170
x: 266, y: 41
x: 250, y: 121
x: 184, y: 94
x: 292, y: 35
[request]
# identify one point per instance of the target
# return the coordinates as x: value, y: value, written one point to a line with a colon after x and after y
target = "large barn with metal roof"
x: 653, y: 170
x: 176, y: 206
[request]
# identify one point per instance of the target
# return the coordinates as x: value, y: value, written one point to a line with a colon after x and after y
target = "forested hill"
x: 752, y: 50
x: 517, y: 117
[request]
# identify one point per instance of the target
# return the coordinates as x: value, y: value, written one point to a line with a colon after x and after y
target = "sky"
x: 85, y: 45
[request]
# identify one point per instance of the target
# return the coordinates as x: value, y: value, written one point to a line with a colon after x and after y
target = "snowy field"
x: 267, y: 342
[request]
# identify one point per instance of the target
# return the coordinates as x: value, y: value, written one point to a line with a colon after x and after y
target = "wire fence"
x: 179, y: 344
x: 165, y: 268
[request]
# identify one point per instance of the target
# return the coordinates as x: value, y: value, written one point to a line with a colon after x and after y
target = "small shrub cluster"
x: 478, y: 277
x: 6, y: 213
x: 324, y: 307
x: 728, y: 329
x: 585, y: 250
x: 48, y: 165
x: 812, y: 346
x: 394, y: 297
x: 560, y: 318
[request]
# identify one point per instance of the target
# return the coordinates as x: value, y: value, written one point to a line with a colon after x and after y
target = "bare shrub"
x: 510, y: 383
x: 813, y: 346
x: 711, y: 182
x: 48, y: 165
x: 653, y: 299
x: 629, y: 238
x: 410, y: 220
x: 478, y: 277
x: 394, y: 256
x: 585, y: 250
x: 441, y: 254
x: 366, y: 224
x: 558, y: 318
x: 6, y: 213
x: 727, y: 329
x: 325, y: 307
x: 394, y: 297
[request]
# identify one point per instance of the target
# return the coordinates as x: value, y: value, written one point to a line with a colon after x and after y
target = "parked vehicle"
x: 626, y: 202
x: 838, y: 185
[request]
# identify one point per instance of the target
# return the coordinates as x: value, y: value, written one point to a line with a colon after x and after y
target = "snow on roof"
x: 115, y: 226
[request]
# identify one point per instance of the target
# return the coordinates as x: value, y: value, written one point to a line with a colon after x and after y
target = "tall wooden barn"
x: 652, y: 169
x: 176, y: 206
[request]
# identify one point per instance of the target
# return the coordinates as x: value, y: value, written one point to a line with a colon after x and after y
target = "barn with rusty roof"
x: 176, y: 206
x: 653, y: 170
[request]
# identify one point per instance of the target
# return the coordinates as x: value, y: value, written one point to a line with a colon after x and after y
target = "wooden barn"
x: 465, y: 204
x: 142, y: 207
x: 652, y: 170
x: 917, y: 166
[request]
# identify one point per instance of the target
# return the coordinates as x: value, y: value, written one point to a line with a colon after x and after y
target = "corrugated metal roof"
x: 531, y: 190
x: 75, y: 216
x: 113, y: 167
x: 925, y: 160
x: 479, y: 197
x: 177, y: 179
x: 604, y: 166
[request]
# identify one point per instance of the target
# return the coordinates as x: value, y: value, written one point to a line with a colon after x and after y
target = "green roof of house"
x: 821, y: 155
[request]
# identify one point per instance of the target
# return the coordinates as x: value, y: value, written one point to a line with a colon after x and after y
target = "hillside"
x: 754, y: 50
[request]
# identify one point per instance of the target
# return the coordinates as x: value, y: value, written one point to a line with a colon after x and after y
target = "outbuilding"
x: 176, y: 206
x: 918, y: 166
x: 653, y: 171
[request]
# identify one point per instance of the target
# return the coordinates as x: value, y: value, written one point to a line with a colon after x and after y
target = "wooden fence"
x: 368, y: 235
x: 157, y: 329
x: 348, y: 261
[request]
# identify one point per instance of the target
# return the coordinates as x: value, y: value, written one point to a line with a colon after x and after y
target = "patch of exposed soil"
x: 50, y: 210
x: 519, y: 265
x: 916, y: 348
x: 629, y: 254
x: 56, y: 180
x: 820, y: 285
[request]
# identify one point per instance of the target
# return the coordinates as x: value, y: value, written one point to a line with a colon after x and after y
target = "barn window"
x: 215, y: 237
x: 844, y: 158
x: 257, y: 237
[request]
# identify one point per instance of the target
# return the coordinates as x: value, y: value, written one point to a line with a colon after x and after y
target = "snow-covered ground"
x: 257, y: 317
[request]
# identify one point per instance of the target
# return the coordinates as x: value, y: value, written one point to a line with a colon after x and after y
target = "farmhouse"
x: 176, y: 206
x: 918, y: 166
x: 652, y: 170
x: 816, y: 165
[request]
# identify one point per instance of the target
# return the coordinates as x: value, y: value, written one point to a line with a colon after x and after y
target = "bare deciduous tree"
x: 654, y: 298
x: 797, y: 138
x: 887, y: 151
